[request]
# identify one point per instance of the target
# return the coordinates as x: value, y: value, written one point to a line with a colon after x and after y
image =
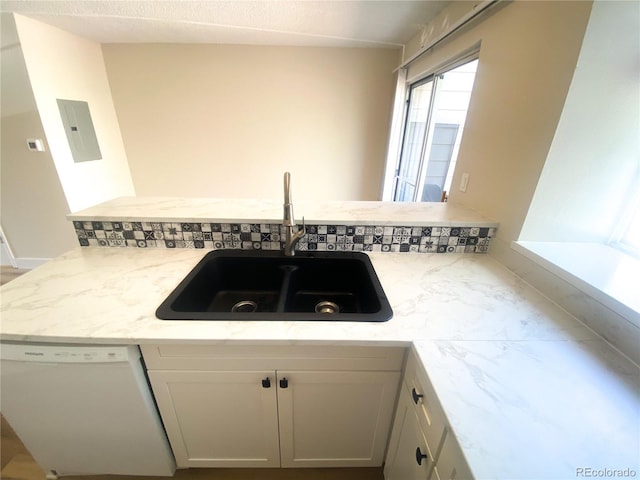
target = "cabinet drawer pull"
x: 266, y: 383
x: 284, y: 383
x: 416, y: 396
x: 420, y: 456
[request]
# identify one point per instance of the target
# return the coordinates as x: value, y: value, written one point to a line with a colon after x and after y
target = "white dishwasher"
x: 84, y: 409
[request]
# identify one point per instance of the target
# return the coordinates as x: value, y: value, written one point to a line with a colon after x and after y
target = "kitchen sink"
x: 266, y: 285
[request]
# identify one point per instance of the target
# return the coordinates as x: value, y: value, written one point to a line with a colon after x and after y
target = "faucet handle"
x: 301, y: 232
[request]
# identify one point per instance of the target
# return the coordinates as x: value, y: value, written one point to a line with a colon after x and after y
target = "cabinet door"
x: 335, y: 419
x: 409, y: 457
x: 219, y: 419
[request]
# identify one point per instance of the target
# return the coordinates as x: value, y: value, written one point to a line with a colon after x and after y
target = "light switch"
x: 35, y: 144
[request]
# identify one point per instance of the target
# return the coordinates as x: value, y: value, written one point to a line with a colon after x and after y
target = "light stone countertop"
x: 271, y: 211
x: 531, y: 393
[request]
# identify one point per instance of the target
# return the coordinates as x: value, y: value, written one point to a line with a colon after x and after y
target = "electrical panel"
x: 79, y: 129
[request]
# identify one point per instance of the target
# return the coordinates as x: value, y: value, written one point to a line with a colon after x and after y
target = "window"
x: 436, y: 109
x: 629, y: 237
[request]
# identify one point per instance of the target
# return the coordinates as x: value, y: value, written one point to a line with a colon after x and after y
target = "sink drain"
x: 327, y: 307
x: 245, y: 306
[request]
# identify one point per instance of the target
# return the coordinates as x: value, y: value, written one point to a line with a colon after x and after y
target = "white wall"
x: 62, y: 65
x: 593, y: 163
x: 594, y: 160
x: 227, y: 121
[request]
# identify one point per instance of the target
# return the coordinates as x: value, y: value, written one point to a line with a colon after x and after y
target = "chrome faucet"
x: 291, y: 237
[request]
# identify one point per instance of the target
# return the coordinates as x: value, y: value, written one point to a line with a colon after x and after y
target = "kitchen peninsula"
x: 528, y: 390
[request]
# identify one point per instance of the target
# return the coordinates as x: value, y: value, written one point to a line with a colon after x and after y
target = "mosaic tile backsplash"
x: 254, y: 236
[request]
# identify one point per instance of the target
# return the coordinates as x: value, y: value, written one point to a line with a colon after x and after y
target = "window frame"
x: 417, y: 192
x: 401, y: 111
x: 628, y: 220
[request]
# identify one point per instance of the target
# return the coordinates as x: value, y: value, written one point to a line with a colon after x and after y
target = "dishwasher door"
x: 84, y: 409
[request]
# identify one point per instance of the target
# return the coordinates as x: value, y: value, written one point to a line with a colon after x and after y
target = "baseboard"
x: 30, y: 263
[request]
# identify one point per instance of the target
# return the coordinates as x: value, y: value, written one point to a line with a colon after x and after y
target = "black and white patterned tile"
x: 253, y: 236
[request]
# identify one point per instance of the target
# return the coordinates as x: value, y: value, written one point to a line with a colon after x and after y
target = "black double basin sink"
x: 266, y: 285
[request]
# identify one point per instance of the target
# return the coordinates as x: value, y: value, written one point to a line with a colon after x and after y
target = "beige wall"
x: 527, y: 57
x: 524, y: 86
x: 33, y: 205
x: 62, y: 65
x: 227, y: 121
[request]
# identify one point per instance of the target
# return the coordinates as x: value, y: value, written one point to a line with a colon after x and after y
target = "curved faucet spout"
x: 288, y: 222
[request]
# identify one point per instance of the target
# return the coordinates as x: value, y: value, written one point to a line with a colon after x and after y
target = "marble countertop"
x: 531, y: 393
x: 271, y: 211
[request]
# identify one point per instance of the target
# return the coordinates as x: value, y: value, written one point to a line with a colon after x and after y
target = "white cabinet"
x: 261, y: 406
x: 422, y: 444
x: 219, y: 419
x: 409, y: 457
x: 335, y: 419
x: 451, y: 465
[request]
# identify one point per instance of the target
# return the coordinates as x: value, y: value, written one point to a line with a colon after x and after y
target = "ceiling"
x: 330, y: 23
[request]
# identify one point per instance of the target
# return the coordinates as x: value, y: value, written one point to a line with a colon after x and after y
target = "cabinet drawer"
x: 451, y: 464
x: 298, y: 357
x: 409, y: 456
x: 425, y: 401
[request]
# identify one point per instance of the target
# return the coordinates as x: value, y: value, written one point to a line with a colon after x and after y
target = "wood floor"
x: 17, y: 464
x: 8, y: 273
